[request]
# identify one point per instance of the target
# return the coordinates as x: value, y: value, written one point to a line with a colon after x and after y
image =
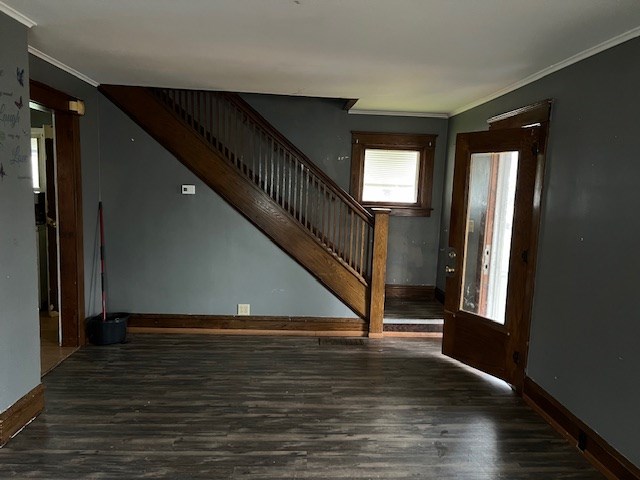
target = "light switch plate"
x: 188, y: 189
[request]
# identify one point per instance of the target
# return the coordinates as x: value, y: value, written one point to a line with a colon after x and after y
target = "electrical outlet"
x: 244, y: 309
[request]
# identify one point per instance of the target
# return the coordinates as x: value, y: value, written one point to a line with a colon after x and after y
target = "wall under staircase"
x: 265, y: 178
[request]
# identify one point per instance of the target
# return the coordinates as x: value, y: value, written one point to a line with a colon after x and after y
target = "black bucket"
x: 112, y: 330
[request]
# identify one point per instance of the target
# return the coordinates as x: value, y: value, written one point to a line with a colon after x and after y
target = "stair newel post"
x: 378, y: 271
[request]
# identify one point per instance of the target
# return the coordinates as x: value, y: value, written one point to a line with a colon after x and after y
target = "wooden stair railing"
x: 257, y: 170
x: 266, y: 157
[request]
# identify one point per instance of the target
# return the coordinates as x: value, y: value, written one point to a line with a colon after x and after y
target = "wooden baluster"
x: 188, y: 107
x: 351, y: 233
x: 379, y: 271
x: 311, y: 203
x: 288, y: 166
x: 272, y: 169
x: 196, y: 112
x: 204, y: 116
x: 338, y: 227
x: 334, y: 224
x: 298, y: 199
x: 276, y: 160
x: 210, y: 118
x: 307, y: 187
x: 363, y: 261
x: 262, y: 184
x: 236, y: 137
x: 220, y: 113
x: 300, y: 189
x: 252, y: 150
x: 187, y: 111
x: 296, y: 187
x: 359, y: 226
x: 323, y: 215
x: 343, y: 230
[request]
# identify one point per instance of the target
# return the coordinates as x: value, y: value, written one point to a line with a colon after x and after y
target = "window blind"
x: 391, y: 175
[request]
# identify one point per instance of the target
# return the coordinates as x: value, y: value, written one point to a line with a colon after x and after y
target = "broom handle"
x: 104, y: 296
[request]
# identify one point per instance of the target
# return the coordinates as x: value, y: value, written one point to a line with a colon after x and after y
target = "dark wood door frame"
x: 69, y: 199
x: 501, y: 350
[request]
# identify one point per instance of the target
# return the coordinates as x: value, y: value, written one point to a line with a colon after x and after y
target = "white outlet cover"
x: 188, y: 189
x: 244, y: 309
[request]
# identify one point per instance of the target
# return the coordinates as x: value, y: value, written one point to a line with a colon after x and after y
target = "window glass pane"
x: 391, y: 176
x: 35, y: 172
x: 490, y: 209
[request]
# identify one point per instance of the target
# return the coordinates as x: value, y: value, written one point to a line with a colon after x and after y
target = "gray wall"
x: 585, y: 326
x: 19, y: 328
x: 89, y: 144
x: 322, y: 130
x: 173, y: 253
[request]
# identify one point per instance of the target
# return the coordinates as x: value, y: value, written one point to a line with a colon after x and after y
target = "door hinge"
x: 525, y: 256
x: 516, y: 357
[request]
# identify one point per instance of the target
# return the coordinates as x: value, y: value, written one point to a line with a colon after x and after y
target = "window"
x: 393, y: 170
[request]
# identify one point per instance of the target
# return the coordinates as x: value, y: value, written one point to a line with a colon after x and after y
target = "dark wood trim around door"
x: 69, y: 199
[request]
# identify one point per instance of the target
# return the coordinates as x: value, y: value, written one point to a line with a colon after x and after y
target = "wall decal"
x: 2, y: 172
x: 1, y: 138
x: 6, y: 94
x: 9, y: 119
x: 19, y: 103
x: 17, y: 156
x: 20, y: 75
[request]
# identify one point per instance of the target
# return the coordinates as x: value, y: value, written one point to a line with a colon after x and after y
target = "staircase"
x: 243, y: 158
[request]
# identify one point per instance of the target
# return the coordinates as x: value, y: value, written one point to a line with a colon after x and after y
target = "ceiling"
x: 429, y: 56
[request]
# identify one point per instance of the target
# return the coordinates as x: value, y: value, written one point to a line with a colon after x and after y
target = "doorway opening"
x: 45, y: 202
x: 55, y: 145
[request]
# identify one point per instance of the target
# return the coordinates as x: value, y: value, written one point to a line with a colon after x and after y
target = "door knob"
x: 449, y: 270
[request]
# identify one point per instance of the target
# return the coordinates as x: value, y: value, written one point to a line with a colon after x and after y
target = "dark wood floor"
x: 211, y: 407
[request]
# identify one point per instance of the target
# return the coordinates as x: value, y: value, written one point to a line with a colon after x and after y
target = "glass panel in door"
x: 489, y: 225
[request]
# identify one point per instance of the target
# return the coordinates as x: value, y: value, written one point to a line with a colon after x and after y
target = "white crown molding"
x: 399, y: 114
x: 16, y: 15
x: 589, y: 52
x: 56, y: 63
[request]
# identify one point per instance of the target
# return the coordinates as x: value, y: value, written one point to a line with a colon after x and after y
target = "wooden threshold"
x: 21, y: 413
x: 595, y: 449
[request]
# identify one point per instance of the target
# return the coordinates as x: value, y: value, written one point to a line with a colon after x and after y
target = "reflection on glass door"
x: 489, y: 225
